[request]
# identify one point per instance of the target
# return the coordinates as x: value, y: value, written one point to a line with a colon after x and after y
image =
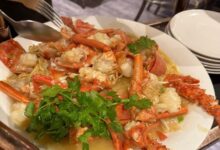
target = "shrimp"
x: 125, y: 63
x: 125, y: 38
x: 104, y: 38
x: 137, y: 136
x: 105, y: 63
x: 101, y: 74
x: 78, y: 26
x: 90, y: 42
x: 76, y: 57
x: 187, y: 87
x: 68, y: 22
x: 82, y: 27
x: 15, y: 58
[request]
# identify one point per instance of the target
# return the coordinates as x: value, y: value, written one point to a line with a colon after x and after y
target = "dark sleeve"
x: 18, y: 11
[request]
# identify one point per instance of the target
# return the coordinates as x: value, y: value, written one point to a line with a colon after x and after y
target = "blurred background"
x: 139, y: 10
x: 127, y: 8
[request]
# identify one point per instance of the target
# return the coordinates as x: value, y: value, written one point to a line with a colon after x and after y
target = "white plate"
x: 212, y: 71
x: 211, y: 68
x: 203, y: 58
x: 199, y: 30
x: 196, y: 123
x: 214, y: 66
x: 207, y: 59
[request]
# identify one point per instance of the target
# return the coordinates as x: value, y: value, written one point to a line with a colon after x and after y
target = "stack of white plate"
x: 199, y: 30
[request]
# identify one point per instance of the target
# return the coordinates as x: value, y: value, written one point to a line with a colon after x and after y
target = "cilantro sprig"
x: 140, y: 44
x: 61, y: 110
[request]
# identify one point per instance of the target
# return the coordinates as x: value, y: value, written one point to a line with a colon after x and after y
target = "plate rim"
x: 173, y: 20
x: 200, y: 65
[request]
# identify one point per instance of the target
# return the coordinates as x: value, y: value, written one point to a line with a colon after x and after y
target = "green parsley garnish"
x: 63, y: 109
x: 139, y: 103
x: 140, y: 44
x: 162, y: 90
x: 29, y: 110
x: 180, y: 118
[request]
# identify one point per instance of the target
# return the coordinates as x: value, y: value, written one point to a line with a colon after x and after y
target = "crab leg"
x: 90, y: 42
x: 42, y: 79
x: 137, y: 77
x: 13, y: 93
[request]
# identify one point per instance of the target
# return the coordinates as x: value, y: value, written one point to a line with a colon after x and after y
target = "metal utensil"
x: 33, y: 30
x: 10, y: 140
x: 42, y: 7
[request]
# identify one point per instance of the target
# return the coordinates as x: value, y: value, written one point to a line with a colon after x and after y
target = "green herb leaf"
x: 85, y: 146
x: 84, y: 138
x: 162, y: 90
x: 29, y: 110
x: 75, y: 84
x: 116, y: 126
x: 55, y: 117
x: 114, y: 96
x: 142, y: 43
x: 52, y: 91
x: 180, y: 118
x: 139, y: 103
x: 111, y: 113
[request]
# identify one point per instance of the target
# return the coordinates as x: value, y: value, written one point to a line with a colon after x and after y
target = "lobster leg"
x: 188, y: 88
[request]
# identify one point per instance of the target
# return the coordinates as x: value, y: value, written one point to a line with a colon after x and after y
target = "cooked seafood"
x: 99, y: 83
